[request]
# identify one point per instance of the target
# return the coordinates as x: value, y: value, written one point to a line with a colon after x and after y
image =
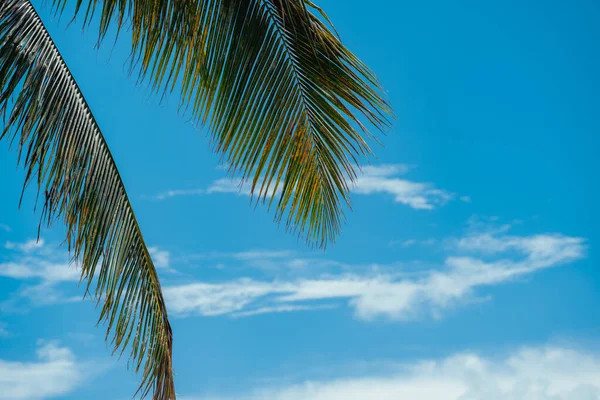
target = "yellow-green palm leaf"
x: 62, y: 149
x: 281, y: 97
x: 280, y: 93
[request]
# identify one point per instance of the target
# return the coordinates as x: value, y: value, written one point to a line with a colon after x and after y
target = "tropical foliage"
x: 278, y: 92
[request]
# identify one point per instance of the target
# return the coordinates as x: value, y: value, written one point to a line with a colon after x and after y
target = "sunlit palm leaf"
x: 280, y: 92
x: 62, y: 148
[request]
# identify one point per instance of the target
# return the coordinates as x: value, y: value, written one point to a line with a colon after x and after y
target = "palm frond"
x: 63, y: 150
x: 281, y: 95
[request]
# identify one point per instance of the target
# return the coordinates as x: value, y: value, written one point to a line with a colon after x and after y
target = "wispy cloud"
x: 381, y: 179
x: 280, y: 309
x: 249, y: 255
x: 253, y: 255
x: 28, y: 246
x: 45, y: 268
x: 161, y: 258
x: 36, y: 268
x: 234, y: 186
x: 538, y: 247
x: 5, y: 228
x: 540, y: 373
x: 180, y: 192
x: 266, y: 260
x: 55, y: 373
x: 414, y: 242
x: 384, y: 179
x: 386, y: 295
x: 220, y: 186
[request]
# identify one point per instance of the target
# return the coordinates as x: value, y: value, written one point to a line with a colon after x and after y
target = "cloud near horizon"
x: 529, y: 373
x: 385, y: 295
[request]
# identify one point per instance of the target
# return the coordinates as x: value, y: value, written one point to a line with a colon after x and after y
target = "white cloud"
x: 215, y: 299
x: 240, y: 187
x: 383, y: 179
x: 180, y: 192
x: 414, y: 242
x: 225, y: 185
x: 279, y: 309
x: 41, y: 294
x: 531, y: 373
x: 235, y: 186
x: 262, y: 254
x: 56, y: 372
x: 374, y: 179
x: 37, y: 262
x: 250, y: 255
x: 49, y: 272
x: 161, y: 258
x: 536, y: 247
x: 5, y: 228
x: 265, y: 260
x: 26, y: 247
x: 387, y: 295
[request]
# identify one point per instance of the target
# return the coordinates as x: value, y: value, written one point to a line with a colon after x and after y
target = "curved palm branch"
x: 62, y: 149
x: 280, y: 92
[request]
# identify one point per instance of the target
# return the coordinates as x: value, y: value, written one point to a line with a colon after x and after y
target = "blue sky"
x: 467, y: 268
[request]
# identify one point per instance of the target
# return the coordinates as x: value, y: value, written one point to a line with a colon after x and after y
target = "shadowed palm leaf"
x: 62, y: 149
x: 281, y: 97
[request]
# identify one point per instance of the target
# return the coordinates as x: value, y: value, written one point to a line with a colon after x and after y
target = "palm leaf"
x: 63, y: 150
x: 281, y: 95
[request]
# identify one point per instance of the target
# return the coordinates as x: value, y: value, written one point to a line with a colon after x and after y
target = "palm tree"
x: 278, y: 91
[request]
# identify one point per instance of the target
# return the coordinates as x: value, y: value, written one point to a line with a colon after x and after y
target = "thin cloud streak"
x: 181, y: 192
x: 386, y: 295
x: 382, y: 179
x: 220, y: 186
x: 413, y: 242
x: 280, y: 309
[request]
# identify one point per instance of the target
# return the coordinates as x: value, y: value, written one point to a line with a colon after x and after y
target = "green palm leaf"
x: 63, y: 150
x: 280, y: 93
